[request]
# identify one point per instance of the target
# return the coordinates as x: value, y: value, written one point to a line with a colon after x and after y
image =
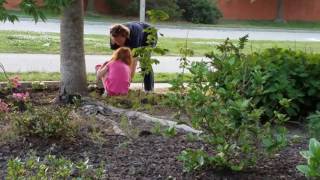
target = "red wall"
x: 303, y: 10
x: 14, y: 4
x: 102, y: 7
x: 244, y: 9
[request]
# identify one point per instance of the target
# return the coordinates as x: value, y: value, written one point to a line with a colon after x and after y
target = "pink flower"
x: 21, y: 96
x: 14, y: 82
x: 3, y: 106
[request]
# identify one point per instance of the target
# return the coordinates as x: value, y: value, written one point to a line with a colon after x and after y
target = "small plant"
x: 44, y: 122
x: 314, y: 124
x: 38, y: 86
x: 128, y: 128
x: 170, y: 132
x: 52, y: 167
x: 145, y: 53
x: 193, y: 159
x: 312, y: 169
x: 156, y: 129
x: 216, y: 103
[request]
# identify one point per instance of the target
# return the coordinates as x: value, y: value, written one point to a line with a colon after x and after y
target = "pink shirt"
x: 118, y: 78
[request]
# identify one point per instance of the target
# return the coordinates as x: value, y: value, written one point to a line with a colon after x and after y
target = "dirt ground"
x: 147, y: 156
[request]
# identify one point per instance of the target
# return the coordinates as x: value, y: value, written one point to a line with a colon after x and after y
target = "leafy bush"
x: 312, y: 169
x: 314, y: 124
x: 44, y: 122
x: 116, y: 6
x: 200, y: 11
x: 52, y: 168
x: 169, y: 6
x: 215, y: 101
x: 283, y: 80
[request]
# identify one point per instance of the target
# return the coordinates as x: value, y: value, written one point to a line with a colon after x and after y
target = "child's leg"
x: 98, y: 80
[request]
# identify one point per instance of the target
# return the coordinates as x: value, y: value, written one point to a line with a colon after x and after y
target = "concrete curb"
x: 28, y: 84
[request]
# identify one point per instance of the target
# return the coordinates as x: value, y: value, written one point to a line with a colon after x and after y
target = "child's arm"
x: 102, y: 71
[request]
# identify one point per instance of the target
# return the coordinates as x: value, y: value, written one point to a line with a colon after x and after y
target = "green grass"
x: 262, y: 24
x: 48, y: 43
x: 222, y: 23
x: 40, y: 76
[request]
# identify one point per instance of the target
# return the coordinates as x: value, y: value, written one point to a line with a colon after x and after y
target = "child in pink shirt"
x: 116, y: 74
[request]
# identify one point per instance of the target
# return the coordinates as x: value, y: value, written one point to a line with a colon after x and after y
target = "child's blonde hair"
x: 124, y: 54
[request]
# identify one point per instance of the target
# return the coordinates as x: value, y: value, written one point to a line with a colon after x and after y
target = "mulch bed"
x: 146, y: 157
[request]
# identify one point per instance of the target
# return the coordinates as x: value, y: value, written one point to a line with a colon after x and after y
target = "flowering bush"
x: 21, y: 97
x: 14, y: 82
x: 4, y: 107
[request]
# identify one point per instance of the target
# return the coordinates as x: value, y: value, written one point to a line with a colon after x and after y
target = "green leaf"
x: 157, y: 15
x: 237, y: 167
x: 314, y: 146
x: 201, y: 160
x: 304, y: 169
x: 305, y: 154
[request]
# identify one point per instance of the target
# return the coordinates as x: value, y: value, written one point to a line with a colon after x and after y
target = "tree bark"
x: 280, y: 11
x: 73, y: 68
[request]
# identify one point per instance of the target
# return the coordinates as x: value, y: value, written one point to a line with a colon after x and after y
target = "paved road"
x: 51, y: 63
x: 172, y: 31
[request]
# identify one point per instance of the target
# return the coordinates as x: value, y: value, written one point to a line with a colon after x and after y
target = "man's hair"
x: 120, y: 30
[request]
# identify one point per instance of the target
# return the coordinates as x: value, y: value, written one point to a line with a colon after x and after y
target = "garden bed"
x: 144, y: 156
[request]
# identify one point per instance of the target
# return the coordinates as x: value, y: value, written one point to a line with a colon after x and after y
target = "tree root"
x: 101, y: 111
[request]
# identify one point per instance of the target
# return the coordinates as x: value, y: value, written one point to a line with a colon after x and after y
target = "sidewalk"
x: 51, y: 63
x: 159, y: 87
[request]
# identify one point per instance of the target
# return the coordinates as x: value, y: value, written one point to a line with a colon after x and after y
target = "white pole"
x: 142, y: 10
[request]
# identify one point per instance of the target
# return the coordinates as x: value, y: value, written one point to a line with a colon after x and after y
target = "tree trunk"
x: 280, y: 11
x: 73, y: 68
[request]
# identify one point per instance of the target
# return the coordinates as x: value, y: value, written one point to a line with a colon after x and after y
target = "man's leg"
x: 149, y: 81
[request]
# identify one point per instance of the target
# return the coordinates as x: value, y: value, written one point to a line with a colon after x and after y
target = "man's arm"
x: 133, y: 67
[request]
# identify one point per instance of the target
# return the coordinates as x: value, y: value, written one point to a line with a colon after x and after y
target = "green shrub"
x: 312, y: 169
x: 314, y: 124
x: 214, y: 99
x: 283, y: 80
x: 52, y: 167
x: 200, y: 11
x: 116, y: 6
x: 45, y: 122
x: 169, y: 6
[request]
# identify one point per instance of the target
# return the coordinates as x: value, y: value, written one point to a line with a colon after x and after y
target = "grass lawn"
x: 222, y: 23
x: 40, y: 76
x: 48, y: 43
